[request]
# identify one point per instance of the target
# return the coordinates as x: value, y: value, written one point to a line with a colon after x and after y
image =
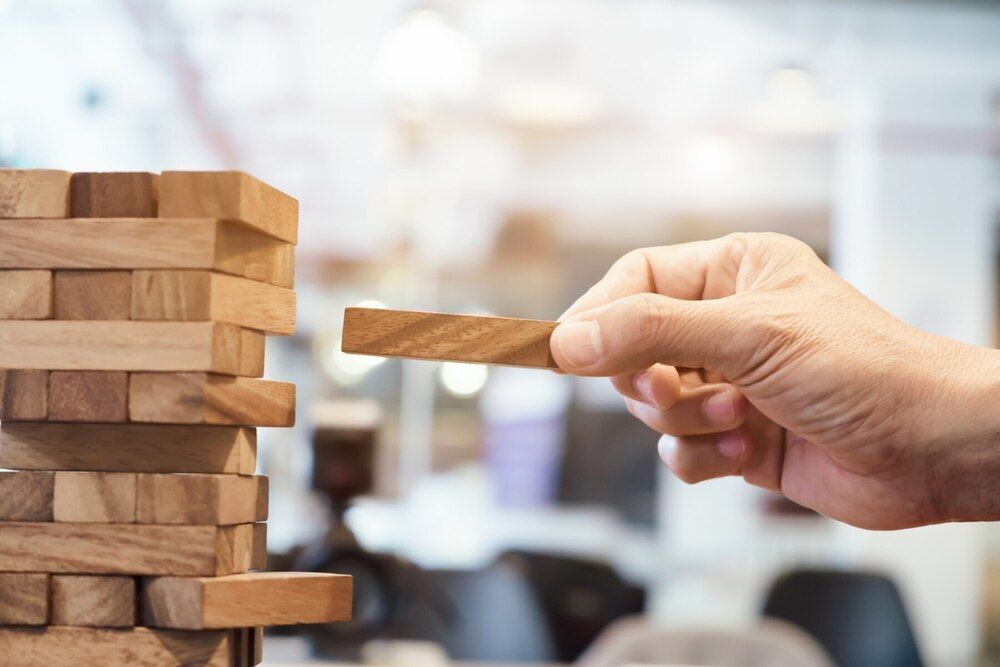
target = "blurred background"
x: 496, y: 156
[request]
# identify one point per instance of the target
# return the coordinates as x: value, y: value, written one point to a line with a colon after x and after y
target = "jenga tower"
x: 133, y: 308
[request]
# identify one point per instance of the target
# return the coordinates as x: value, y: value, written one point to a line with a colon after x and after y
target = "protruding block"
x: 24, y: 599
x: 201, y: 499
x: 93, y: 295
x: 204, y: 398
x: 34, y: 193
x: 127, y: 448
x: 204, y: 295
x: 26, y: 295
x: 114, y: 195
x: 93, y: 601
x: 24, y: 395
x: 260, y: 598
x: 94, y: 497
x: 229, y: 195
x: 26, y: 495
x: 88, y: 396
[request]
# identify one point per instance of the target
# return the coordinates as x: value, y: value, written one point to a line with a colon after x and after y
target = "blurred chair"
x: 637, y: 640
x: 858, y: 617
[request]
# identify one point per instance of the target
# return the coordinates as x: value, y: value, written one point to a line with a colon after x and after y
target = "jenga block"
x: 258, y: 546
x: 257, y: 646
x: 93, y: 295
x: 88, y: 396
x: 259, y: 598
x: 26, y: 495
x: 229, y: 195
x: 94, y: 601
x: 129, y: 346
x: 127, y: 448
x: 145, y: 243
x: 204, y: 398
x: 68, y: 646
x: 203, y: 295
x: 113, y: 195
x: 122, y: 548
x: 252, y: 345
x: 24, y: 599
x: 24, y: 395
x: 26, y: 295
x: 34, y: 193
x: 94, y: 497
x: 210, y: 500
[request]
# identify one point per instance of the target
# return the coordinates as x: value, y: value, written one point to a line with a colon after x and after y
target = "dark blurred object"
x: 343, y: 445
x: 579, y: 598
x: 858, y: 617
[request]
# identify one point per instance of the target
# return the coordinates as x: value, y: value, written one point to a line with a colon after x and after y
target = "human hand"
x: 764, y: 363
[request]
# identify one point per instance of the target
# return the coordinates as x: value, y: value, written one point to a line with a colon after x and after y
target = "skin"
x: 761, y: 362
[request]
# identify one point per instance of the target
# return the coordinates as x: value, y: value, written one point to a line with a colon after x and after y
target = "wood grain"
x: 130, y: 346
x: 25, y: 295
x: 26, y: 495
x: 260, y: 598
x: 129, y: 549
x: 146, y: 243
x: 93, y: 601
x: 24, y: 599
x: 114, y: 195
x: 92, y: 295
x: 24, y: 395
x: 34, y: 193
x: 229, y: 195
x: 209, y: 500
x: 88, y: 396
x: 94, y: 497
x: 204, y: 295
x: 205, y: 398
x: 127, y: 448
x: 502, y: 341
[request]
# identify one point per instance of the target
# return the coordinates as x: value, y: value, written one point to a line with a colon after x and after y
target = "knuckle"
x: 649, y: 319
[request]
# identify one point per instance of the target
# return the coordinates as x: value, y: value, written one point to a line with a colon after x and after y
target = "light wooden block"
x: 502, y: 341
x: 94, y: 497
x: 68, y: 646
x: 34, y: 193
x: 24, y: 599
x: 114, y: 195
x: 25, y: 295
x: 128, y: 448
x: 88, y: 396
x: 130, y: 346
x: 26, y: 495
x: 204, y: 295
x: 146, y: 243
x: 93, y: 295
x: 129, y: 549
x: 204, y: 398
x: 229, y: 195
x: 24, y: 395
x: 260, y: 598
x: 93, y: 601
x: 210, y: 500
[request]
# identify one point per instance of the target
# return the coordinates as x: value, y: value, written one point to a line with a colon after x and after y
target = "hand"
x: 764, y: 363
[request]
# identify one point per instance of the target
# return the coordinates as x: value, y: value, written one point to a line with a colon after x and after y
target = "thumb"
x: 633, y: 333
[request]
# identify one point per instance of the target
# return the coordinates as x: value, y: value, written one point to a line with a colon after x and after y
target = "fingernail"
x: 644, y: 387
x: 579, y: 343
x: 719, y: 408
x: 732, y: 446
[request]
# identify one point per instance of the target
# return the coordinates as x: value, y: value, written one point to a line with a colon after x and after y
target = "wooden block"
x: 24, y: 599
x: 68, y: 646
x: 252, y: 345
x: 258, y: 545
x: 88, y: 396
x: 127, y: 448
x: 94, y: 497
x: 230, y: 195
x: 260, y: 598
x: 204, y: 295
x: 114, y: 195
x: 24, y: 395
x: 25, y: 295
x: 93, y: 295
x: 204, y: 398
x: 145, y: 243
x: 93, y: 601
x: 130, y: 549
x: 34, y: 193
x: 209, y: 500
x: 257, y: 646
x: 129, y: 346
x: 473, y: 339
x: 26, y: 495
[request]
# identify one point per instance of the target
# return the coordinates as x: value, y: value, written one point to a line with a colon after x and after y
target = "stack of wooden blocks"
x: 133, y: 308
